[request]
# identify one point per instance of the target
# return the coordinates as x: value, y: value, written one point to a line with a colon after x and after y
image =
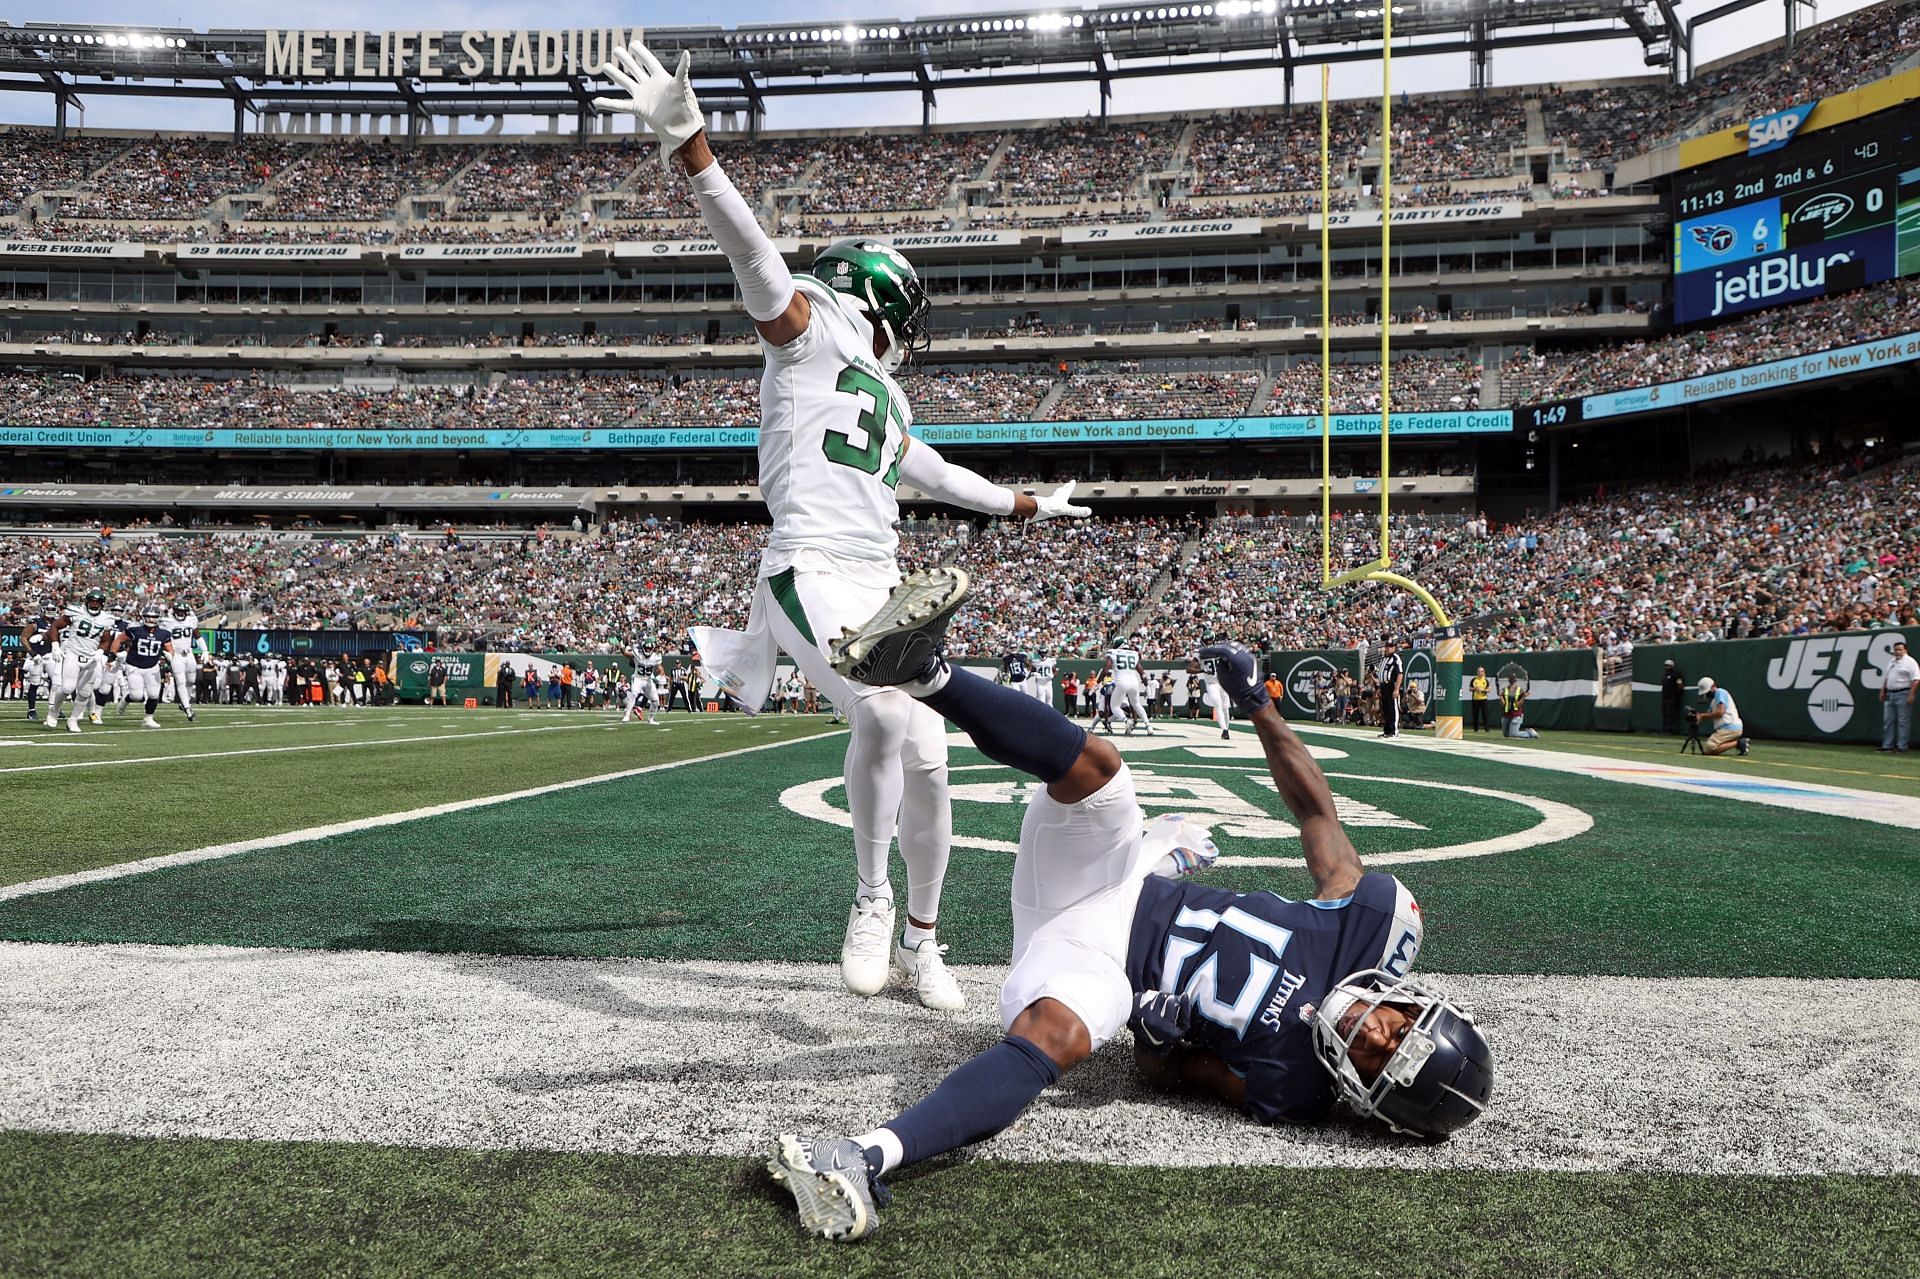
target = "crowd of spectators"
x: 1092, y: 396
x: 1420, y: 384
x: 1437, y: 141
x: 179, y: 177
x: 1753, y: 550
x: 1880, y: 310
x: 1440, y: 140
x: 974, y: 395
x: 1246, y: 152
x: 1078, y: 162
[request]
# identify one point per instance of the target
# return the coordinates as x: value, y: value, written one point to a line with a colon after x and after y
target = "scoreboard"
x: 1830, y: 211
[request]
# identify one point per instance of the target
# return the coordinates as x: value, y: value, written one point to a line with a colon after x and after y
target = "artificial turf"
x: 112, y: 1207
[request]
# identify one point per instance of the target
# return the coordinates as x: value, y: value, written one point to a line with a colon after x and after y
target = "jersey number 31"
x: 879, y: 422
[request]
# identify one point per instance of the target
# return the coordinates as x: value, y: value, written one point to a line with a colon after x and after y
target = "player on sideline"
x: 1015, y: 670
x: 1123, y: 672
x: 1040, y: 681
x: 833, y: 447
x: 1277, y: 1007
x: 184, y: 653
x: 36, y: 636
x: 79, y: 630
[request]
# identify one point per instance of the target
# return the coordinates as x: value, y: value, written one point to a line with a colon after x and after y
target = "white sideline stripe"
x: 1774, y: 792
x: 213, y: 852
x: 309, y: 746
x: 1774, y: 1076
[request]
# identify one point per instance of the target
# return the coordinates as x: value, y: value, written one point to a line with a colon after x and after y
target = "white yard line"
x: 1703, y: 1076
x: 215, y: 851
x: 1774, y: 792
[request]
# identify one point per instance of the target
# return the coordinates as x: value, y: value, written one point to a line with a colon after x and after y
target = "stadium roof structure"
x: 423, y: 74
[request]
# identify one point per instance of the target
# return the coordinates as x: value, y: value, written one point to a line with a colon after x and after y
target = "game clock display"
x: 1834, y: 210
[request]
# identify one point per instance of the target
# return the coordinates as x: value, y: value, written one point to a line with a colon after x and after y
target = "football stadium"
x: 1255, y: 636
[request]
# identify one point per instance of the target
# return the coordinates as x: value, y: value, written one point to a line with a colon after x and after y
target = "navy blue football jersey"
x: 42, y: 642
x: 1014, y: 665
x: 1258, y: 964
x: 146, y: 644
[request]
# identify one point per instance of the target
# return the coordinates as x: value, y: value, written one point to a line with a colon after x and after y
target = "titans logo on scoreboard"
x: 1714, y: 239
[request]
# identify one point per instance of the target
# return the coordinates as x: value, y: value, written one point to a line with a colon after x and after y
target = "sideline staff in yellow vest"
x: 1480, y: 686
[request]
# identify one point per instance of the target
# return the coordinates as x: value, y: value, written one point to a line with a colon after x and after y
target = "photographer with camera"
x: 1719, y: 721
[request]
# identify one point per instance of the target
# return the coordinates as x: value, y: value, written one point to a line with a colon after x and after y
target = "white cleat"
x: 863, y: 954
x: 924, y: 969
x: 50, y: 722
x: 832, y: 1187
x: 73, y: 726
x: 149, y: 722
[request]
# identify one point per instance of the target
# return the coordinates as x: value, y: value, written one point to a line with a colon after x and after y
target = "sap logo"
x: 1714, y: 239
x: 1771, y: 132
x: 1773, y: 277
x: 1828, y: 210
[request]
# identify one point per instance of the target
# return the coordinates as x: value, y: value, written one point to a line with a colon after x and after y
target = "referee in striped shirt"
x: 1391, y: 674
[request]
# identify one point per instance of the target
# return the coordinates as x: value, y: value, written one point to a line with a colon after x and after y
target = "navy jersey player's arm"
x: 1190, y: 1070
x: 1335, y: 867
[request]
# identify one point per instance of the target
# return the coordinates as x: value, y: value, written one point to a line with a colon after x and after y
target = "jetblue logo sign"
x: 1774, y: 279
x: 1771, y: 132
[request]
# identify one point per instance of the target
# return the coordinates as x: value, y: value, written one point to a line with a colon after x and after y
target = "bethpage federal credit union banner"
x: 1496, y: 421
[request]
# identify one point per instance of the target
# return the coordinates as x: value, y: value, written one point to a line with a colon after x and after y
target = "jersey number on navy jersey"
x: 1263, y: 938
x: 147, y: 646
x: 875, y: 425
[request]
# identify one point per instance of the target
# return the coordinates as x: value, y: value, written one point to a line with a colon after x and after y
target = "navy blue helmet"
x: 1439, y: 1079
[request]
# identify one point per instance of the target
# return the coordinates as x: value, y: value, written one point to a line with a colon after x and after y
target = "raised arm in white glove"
x: 665, y: 102
x: 1055, y: 504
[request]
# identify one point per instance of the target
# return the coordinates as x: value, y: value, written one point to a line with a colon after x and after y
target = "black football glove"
x: 1160, y: 1020
x: 1232, y: 664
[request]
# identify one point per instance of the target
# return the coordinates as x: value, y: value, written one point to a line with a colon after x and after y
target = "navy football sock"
x: 1008, y: 726
x: 977, y: 1100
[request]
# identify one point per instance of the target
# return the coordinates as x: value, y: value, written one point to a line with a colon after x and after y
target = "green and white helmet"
x: 881, y: 282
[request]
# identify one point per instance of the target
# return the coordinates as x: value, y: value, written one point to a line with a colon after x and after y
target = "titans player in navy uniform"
x: 144, y: 646
x: 1014, y: 670
x: 36, y: 634
x: 1277, y: 1007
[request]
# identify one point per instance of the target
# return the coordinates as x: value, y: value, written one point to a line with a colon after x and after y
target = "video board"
x: 1829, y: 211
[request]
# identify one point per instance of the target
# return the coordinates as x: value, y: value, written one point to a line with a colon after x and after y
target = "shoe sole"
x: 933, y: 594
x: 828, y: 1204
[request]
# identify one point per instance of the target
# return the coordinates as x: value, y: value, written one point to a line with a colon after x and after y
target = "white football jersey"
x: 84, y: 631
x: 1043, y: 667
x: 833, y: 425
x: 185, y: 631
x: 1126, y: 661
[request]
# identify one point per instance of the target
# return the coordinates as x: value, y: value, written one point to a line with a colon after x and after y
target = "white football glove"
x: 665, y: 102
x: 1055, y: 504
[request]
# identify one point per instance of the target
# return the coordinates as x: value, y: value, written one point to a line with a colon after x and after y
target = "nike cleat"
x: 863, y: 953
x: 899, y: 643
x: 925, y: 969
x: 832, y: 1186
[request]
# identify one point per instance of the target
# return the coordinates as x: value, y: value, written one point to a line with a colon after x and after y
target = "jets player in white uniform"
x: 833, y: 446
x: 80, y: 630
x: 1039, y: 684
x: 643, y: 691
x: 1212, y: 695
x: 184, y: 653
x: 1123, y: 668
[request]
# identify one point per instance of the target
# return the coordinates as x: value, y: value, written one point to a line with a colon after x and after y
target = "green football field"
x: 472, y: 992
